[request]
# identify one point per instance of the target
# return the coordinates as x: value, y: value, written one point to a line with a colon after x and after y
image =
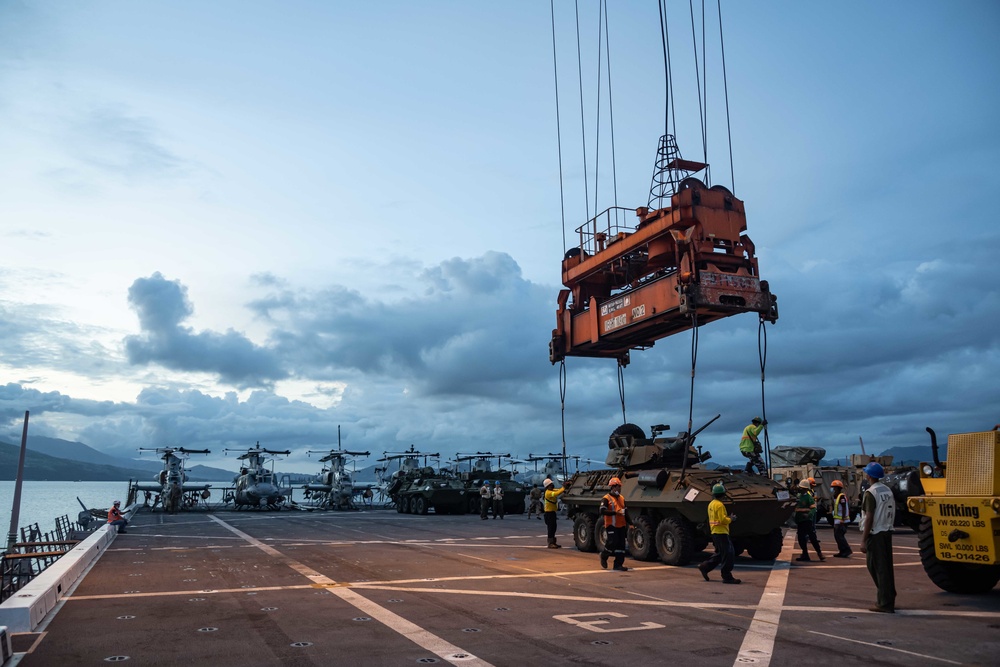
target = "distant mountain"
x: 200, y: 473
x: 41, y: 467
x: 79, y: 453
x: 911, y: 456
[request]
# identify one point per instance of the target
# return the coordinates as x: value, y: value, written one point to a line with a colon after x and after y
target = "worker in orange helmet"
x: 616, y: 522
x: 841, y: 517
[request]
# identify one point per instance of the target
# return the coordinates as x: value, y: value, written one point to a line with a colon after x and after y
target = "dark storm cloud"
x: 476, y: 328
x: 162, y: 305
x: 15, y: 400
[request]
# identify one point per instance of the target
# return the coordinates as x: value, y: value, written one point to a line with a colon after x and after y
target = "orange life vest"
x: 114, y: 514
x: 615, y: 520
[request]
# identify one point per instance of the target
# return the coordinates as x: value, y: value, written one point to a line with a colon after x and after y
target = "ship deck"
x: 382, y: 588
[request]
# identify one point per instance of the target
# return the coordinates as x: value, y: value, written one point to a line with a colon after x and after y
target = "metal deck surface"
x: 382, y: 588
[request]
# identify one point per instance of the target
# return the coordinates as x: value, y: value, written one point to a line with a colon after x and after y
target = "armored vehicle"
x: 417, y: 489
x: 481, y: 472
x: 959, y: 510
x: 789, y: 465
x: 667, y: 492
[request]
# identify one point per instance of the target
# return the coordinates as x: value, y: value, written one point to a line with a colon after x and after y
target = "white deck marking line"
x: 202, y: 591
x: 887, y: 648
x: 419, y: 636
x: 544, y: 596
x: 758, y: 643
x: 902, y: 612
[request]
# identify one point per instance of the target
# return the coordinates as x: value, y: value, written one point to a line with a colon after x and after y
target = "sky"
x: 236, y: 222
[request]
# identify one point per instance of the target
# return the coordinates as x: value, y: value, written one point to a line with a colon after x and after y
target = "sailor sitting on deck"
x: 116, y: 518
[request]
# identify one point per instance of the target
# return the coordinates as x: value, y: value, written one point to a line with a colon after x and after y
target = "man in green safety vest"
x: 750, y: 446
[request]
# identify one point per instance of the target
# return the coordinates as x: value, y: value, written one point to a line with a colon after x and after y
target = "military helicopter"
x: 255, y: 486
x: 552, y: 469
x: 173, y: 473
x: 334, y: 487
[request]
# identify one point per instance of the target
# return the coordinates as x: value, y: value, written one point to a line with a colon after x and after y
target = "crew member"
x: 485, y: 500
x: 750, y: 446
x: 719, y: 521
x: 116, y: 518
x: 535, y: 504
x: 876, y: 537
x: 616, y: 522
x: 551, y: 497
x: 805, y: 521
x: 498, y: 510
x: 841, y: 517
x: 174, y: 497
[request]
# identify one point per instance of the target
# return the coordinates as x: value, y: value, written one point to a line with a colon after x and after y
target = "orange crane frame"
x: 631, y: 287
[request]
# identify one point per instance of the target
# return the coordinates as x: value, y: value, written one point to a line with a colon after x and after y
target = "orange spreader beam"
x: 629, y: 287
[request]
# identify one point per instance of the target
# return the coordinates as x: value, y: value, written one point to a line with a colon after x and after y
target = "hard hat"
x: 547, y: 482
x: 804, y: 484
x: 718, y: 489
x: 811, y: 480
x: 118, y: 502
x: 615, y: 482
x: 837, y: 483
x: 755, y: 420
x: 498, y: 482
x: 875, y: 470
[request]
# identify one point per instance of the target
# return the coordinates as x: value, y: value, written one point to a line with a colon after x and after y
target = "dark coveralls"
x: 805, y: 525
x: 616, y: 526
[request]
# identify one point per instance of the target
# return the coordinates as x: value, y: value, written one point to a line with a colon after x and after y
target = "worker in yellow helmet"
x: 551, y: 497
x: 616, y: 522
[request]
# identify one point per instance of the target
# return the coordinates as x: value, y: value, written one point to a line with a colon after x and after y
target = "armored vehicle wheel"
x: 953, y: 577
x: 419, y: 505
x: 765, y: 547
x: 674, y: 541
x: 642, y: 539
x: 408, y: 505
x: 583, y: 532
x: 399, y: 505
x: 626, y: 429
x: 600, y: 535
x: 474, y: 505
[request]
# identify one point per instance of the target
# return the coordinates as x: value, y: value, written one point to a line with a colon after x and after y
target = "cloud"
x: 475, y: 327
x: 162, y: 305
x: 107, y: 138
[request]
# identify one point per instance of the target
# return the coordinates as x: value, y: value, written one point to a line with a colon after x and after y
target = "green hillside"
x: 42, y: 468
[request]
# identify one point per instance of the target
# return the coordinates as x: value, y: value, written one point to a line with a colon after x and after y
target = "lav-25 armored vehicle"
x: 667, y: 493
x: 416, y: 489
x: 481, y: 472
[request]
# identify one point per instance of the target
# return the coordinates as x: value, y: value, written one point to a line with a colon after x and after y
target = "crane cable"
x: 562, y: 209
x: 725, y: 87
x: 621, y: 388
x: 762, y: 356
x: 555, y: 74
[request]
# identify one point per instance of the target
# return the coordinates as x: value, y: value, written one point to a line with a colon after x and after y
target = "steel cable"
x: 762, y: 356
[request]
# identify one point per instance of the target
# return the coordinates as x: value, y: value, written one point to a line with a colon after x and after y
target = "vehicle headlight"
x: 927, y: 470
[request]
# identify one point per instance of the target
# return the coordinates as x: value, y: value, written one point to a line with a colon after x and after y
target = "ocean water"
x: 42, y: 502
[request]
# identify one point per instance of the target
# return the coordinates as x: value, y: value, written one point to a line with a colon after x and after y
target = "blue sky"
x: 229, y: 222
